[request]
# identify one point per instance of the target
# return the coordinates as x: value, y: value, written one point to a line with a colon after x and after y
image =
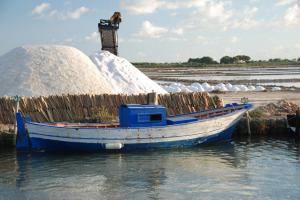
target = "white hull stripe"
x: 124, y: 140
x: 140, y: 138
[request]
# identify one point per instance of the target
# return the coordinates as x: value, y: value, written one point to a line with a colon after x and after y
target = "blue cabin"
x: 136, y: 115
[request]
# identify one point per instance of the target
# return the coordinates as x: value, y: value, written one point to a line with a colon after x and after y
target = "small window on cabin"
x: 155, y: 117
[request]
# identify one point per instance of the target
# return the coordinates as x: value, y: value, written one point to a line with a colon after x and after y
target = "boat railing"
x: 216, y: 113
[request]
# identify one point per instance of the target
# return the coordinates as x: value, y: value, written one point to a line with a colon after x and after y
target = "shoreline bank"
x: 268, y: 125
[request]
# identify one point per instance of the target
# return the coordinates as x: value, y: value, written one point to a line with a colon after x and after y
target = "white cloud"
x: 93, y: 37
x: 151, y: 31
x: 214, y: 14
x: 216, y: 10
x: 246, y: 23
x: 194, y: 3
x: 75, y: 14
x: 178, y: 31
x: 52, y: 13
x: 39, y: 9
x: 292, y: 15
x: 285, y: 2
x: 202, y: 40
x: 234, y: 39
x: 247, y: 19
x: 207, y: 15
x: 142, y: 6
x: 151, y: 6
x: 43, y: 11
x: 250, y: 11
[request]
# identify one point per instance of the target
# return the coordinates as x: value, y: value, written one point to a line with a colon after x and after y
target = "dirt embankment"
x: 262, y: 98
x: 269, y: 119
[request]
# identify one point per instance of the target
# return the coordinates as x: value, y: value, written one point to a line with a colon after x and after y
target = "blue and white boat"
x: 140, y: 127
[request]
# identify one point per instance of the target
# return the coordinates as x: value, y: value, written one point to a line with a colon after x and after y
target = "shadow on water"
x: 173, y: 173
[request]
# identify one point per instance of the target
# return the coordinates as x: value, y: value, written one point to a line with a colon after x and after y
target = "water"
x: 288, y: 76
x: 241, y: 169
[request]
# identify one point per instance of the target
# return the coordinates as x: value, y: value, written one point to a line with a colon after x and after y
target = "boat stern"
x: 248, y: 106
x: 23, y: 140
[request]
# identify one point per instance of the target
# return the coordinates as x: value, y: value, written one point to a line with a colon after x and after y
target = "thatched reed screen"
x: 77, y: 107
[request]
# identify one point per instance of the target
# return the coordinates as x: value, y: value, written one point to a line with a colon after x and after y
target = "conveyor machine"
x: 108, y: 33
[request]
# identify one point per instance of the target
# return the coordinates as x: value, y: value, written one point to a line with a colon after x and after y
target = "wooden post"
x: 248, y: 123
x: 17, y: 100
x: 152, y: 98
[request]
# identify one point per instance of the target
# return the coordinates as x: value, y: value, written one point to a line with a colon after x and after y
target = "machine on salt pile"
x: 108, y: 29
x: 139, y: 127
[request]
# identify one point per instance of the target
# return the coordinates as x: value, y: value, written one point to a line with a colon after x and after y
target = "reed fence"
x: 80, y: 107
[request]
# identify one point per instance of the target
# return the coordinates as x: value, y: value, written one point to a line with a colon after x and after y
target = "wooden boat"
x: 140, y: 127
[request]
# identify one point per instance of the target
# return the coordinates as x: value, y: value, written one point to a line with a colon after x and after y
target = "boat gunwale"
x: 242, y: 106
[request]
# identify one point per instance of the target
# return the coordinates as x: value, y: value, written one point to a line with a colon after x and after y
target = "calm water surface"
x: 279, y: 76
x: 241, y: 169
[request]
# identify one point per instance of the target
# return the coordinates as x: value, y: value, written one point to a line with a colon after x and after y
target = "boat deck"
x: 178, y: 119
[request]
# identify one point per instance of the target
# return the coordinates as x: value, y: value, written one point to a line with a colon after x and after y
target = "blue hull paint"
x: 59, y: 146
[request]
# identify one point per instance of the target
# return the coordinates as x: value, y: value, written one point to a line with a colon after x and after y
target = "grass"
x: 257, y: 113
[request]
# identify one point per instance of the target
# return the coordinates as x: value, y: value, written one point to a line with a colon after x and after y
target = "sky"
x: 158, y: 30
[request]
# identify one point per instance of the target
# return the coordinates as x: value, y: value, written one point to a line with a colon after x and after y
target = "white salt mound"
x: 276, y: 88
x: 205, y: 87
x: 49, y: 70
x: 122, y: 76
x: 55, y: 70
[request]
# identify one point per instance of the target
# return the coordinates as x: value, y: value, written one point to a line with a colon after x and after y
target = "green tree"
x: 241, y: 58
x: 203, y: 60
x: 207, y: 60
x: 298, y: 59
x: 275, y: 60
x: 226, y: 60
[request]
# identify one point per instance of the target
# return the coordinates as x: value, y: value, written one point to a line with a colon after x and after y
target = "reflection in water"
x: 243, y: 169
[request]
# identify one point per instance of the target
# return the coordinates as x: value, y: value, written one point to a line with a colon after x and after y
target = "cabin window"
x: 148, y: 118
x: 155, y: 117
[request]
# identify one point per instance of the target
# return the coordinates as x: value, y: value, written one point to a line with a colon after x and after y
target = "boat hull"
x: 63, y: 146
x: 49, y: 138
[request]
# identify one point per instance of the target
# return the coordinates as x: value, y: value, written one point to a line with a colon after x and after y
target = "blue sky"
x: 159, y: 30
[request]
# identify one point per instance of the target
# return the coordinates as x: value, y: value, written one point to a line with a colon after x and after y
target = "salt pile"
x: 54, y: 70
x: 122, y: 76
x: 49, y: 70
x: 205, y: 87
